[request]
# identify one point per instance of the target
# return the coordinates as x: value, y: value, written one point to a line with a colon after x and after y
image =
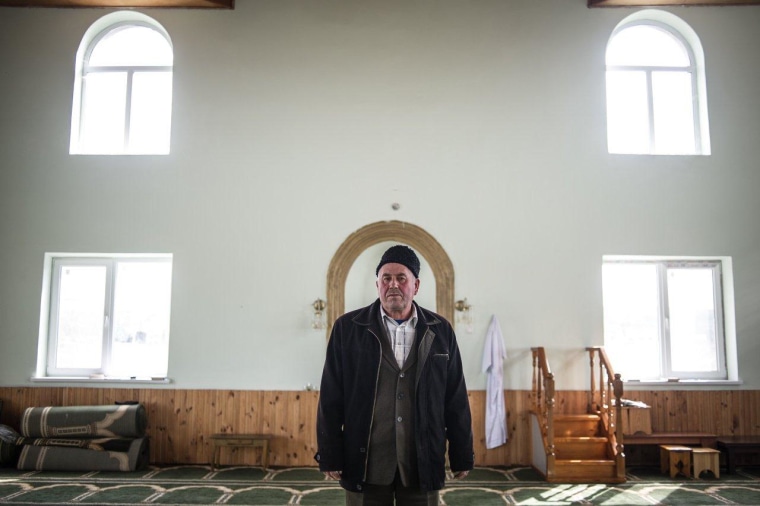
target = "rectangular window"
x: 673, y: 104
x: 109, y: 316
x: 627, y: 112
x: 150, y: 113
x: 663, y: 318
x: 103, y: 112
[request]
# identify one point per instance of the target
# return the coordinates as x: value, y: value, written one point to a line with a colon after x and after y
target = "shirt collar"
x: 412, y: 321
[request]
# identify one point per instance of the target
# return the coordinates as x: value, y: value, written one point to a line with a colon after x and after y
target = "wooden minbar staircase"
x: 583, y: 447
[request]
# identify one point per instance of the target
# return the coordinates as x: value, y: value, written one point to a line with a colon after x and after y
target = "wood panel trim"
x: 374, y: 233
x: 181, y: 422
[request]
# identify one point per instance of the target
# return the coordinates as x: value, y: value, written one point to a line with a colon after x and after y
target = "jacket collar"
x: 370, y: 316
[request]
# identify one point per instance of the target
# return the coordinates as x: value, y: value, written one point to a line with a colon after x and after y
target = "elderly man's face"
x: 396, y: 287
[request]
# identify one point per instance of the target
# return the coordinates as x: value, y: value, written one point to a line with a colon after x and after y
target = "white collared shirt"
x: 401, y: 334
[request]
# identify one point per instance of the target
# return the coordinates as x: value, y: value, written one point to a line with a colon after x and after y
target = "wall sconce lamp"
x: 464, y: 315
x: 318, y: 320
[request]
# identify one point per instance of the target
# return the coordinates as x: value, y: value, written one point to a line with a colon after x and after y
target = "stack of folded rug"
x: 84, y: 438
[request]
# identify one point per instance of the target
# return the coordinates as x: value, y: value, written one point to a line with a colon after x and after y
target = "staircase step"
x: 585, y: 471
x: 585, y: 462
x: 585, y: 425
x: 583, y: 448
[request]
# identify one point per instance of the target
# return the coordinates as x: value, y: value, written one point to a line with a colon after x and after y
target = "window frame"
x: 97, y: 32
x: 725, y: 337
x: 689, y: 41
x: 720, y: 347
x: 49, y: 322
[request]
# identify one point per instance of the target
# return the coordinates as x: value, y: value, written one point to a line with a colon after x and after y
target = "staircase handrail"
x: 607, y: 402
x: 543, y: 404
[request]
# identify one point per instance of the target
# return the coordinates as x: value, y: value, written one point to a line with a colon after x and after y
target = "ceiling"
x: 230, y: 4
x: 660, y: 3
x: 187, y: 4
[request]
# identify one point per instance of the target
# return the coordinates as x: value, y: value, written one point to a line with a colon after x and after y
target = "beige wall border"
x: 419, y: 240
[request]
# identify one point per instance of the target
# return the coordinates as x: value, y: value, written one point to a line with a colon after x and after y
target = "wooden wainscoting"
x: 721, y: 412
x: 180, y: 422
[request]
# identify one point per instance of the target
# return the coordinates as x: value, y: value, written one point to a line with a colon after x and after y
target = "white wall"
x: 298, y: 122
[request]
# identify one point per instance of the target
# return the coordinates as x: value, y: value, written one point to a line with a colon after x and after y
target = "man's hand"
x: 333, y: 475
x: 461, y: 474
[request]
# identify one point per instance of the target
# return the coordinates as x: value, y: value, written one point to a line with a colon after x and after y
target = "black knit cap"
x: 403, y: 255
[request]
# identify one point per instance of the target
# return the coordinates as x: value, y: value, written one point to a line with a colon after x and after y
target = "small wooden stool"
x: 241, y: 440
x: 675, y: 459
x: 705, y: 459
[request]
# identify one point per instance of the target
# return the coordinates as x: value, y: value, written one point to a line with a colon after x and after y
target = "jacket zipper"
x: 374, y: 400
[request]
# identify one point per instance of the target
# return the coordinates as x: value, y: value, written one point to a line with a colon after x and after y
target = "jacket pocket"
x: 438, y: 371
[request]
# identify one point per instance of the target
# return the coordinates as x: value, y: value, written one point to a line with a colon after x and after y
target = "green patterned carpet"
x: 184, y: 485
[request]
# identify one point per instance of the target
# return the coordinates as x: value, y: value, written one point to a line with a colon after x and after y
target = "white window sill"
x: 85, y: 379
x: 682, y: 383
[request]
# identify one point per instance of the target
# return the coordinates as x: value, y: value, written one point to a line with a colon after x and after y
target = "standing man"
x: 392, y: 394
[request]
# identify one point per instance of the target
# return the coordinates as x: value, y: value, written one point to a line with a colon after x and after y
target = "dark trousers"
x: 389, y: 495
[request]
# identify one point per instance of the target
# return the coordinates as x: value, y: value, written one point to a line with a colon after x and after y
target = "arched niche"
x: 419, y: 240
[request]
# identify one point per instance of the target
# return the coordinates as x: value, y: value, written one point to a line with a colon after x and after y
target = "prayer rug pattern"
x: 199, y: 484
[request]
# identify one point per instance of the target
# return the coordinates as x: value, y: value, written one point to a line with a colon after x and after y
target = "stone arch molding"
x: 419, y: 240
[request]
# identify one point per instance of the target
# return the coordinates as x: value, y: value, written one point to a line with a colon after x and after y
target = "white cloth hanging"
x: 494, y: 354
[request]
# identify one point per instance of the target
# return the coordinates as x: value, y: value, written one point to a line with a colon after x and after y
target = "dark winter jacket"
x: 347, y: 397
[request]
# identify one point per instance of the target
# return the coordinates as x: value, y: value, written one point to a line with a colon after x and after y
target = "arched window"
x: 123, y: 87
x: 656, y: 101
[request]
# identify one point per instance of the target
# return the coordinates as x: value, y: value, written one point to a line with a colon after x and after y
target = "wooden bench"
x: 703, y: 439
x: 734, y: 445
x: 241, y: 440
x: 675, y: 459
x: 705, y: 459
x: 643, y: 449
